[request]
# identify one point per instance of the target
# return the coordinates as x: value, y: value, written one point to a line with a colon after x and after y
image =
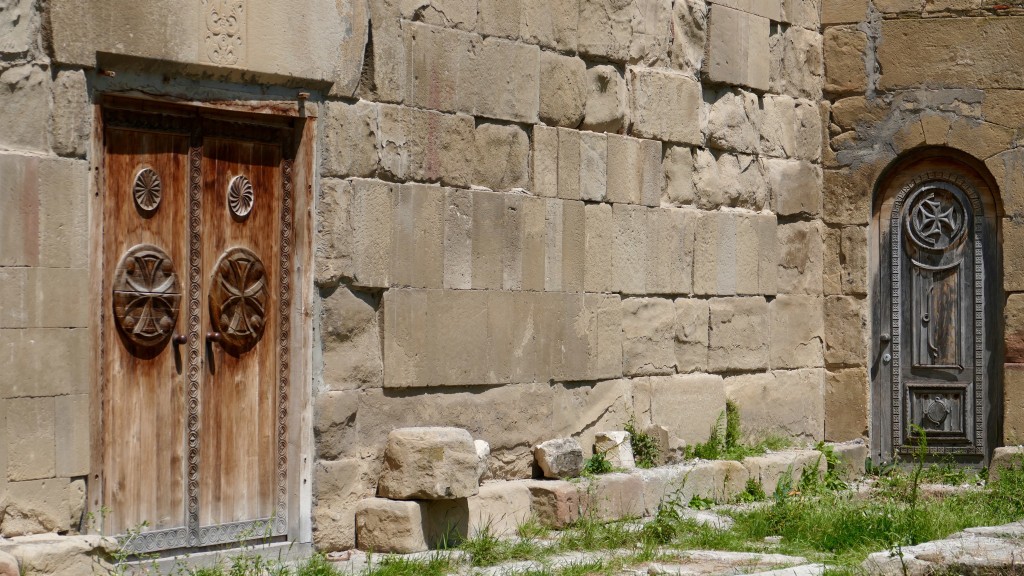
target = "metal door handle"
x: 213, y: 336
x: 885, y: 338
x: 180, y: 339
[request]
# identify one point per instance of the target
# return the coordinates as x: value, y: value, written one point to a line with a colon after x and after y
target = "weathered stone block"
x: 461, y: 14
x: 389, y: 526
x: 616, y: 496
x: 550, y: 24
x: 845, y: 328
x: 600, y: 235
x: 350, y: 139
x: 797, y: 63
x: 439, y: 60
x: 333, y: 241
x: 339, y: 485
x: 689, y: 35
x: 657, y: 401
x: 458, y: 235
x: 533, y: 243
x: 656, y: 95
x: 795, y: 187
x: 19, y: 22
x: 691, y: 334
x: 334, y: 427
x: 559, y: 458
x: 72, y: 114
x: 729, y: 180
x: 832, y: 274
x: 25, y: 107
x: 553, y: 220
x: 419, y: 218
x: 855, y: 260
x: 500, y: 508
x: 71, y: 435
x: 371, y: 221
x: 786, y: 403
x: 785, y: 468
x: 44, y: 362
x: 606, y: 99
x: 805, y: 13
x: 852, y: 456
x: 44, y: 554
x: 63, y: 218
x: 61, y: 299
x: 621, y: 31
x: 670, y: 262
x: 648, y: 326
x: 30, y: 436
x: 1013, y: 255
x: 734, y: 253
x: 616, y: 448
x: 718, y: 480
x: 771, y: 9
x: 556, y: 503
x: 486, y: 241
x: 979, y: 139
x: 1005, y: 458
x: 389, y: 82
x: 429, y: 464
x: 846, y: 404
x: 738, y: 334
x: 629, y: 257
x: 1008, y: 170
x: 847, y: 196
x: 564, y: 89
x: 843, y: 11
x: 499, y: 18
x: 733, y: 120
x: 1013, y: 403
x: 797, y: 330
x: 990, y: 40
x: 800, y: 260
x: 679, y: 176
x: 36, y: 506
x: 503, y: 81
x: 845, y: 50
x: 855, y: 111
x: 573, y: 246
x: 545, y: 161
x: 426, y: 146
x: 737, y: 50
x: 593, y: 166
x: 629, y: 164
x: 502, y: 157
x: 569, y: 156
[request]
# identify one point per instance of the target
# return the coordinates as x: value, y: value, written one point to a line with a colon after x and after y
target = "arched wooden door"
x: 937, y: 312
x: 198, y: 280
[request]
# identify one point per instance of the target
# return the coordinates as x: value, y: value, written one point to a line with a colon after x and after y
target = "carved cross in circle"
x: 146, y: 296
x: 936, y: 219
x: 238, y: 299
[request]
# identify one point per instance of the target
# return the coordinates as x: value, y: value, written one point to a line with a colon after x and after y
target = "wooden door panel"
x: 144, y: 399
x: 238, y: 478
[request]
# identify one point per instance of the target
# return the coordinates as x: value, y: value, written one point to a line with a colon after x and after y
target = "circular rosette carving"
x: 147, y: 296
x: 240, y: 197
x: 936, y: 412
x: 936, y: 219
x: 147, y: 191
x: 238, y: 300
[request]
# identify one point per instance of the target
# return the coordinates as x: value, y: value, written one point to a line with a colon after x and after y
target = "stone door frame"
x: 299, y: 432
x: 907, y: 168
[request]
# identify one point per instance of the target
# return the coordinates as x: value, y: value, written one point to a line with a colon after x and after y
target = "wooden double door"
x: 197, y: 259
x: 937, y: 313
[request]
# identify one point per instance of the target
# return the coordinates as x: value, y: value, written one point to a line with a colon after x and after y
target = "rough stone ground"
x: 981, y: 550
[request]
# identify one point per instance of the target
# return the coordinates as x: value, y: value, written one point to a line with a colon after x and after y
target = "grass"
x: 725, y: 440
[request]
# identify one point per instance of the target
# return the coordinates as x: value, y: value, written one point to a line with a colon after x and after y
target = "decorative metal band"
x: 240, y: 197
x: 156, y: 541
x: 285, y: 348
x: 896, y: 270
x: 195, y: 255
x: 147, y: 191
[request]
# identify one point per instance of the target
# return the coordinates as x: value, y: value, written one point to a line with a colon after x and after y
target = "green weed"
x: 597, y: 464
x: 646, y: 449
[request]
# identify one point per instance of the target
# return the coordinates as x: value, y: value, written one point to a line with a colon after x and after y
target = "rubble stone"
x: 559, y: 458
x: 616, y: 448
x: 429, y: 464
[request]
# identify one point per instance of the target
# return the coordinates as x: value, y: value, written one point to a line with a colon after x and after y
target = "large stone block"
x: 679, y: 176
x: 1013, y: 404
x: 797, y: 64
x: 1008, y: 170
x: 606, y: 99
x: 564, y: 89
x: 339, y: 485
x: 458, y: 239
x: 846, y: 329
x: 615, y: 496
x: 656, y: 95
x: 771, y: 9
x: 938, y: 64
x: 737, y: 50
x: 800, y: 257
x: 30, y: 435
x: 72, y: 424
x: 389, y: 526
x: 500, y: 508
x: 691, y: 334
x: 785, y: 468
x: 559, y: 458
x: 1005, y: 458
x: 350, y: 139
x: 25, y: 107
x: 689, y: 35
x: 843, y: 11
x: 550, y: 24
x: 426, y: 146
x: 855, y: 256
x: 63, y: 218
x: 45, y: 554
x: 1013, y: 255
x: 502, y: 157
x: 44, y: 362
x: 630, y: 250
x: 545, y: 161
x: 502, y: 81
x: 534, y: 243
x: 657, y: 401
x: 486, y: 240
x: 670, y: 261
x: 832, y: 274
x: 718, y: 480
x: 19, y: 23
x: 19, y: 210
x: 795, y: 186
x: 600, y: 236
x: 593, y: 166
x: 733, y: 120
x: 389, y: 81
x: 569, y: 157
x: 845, y: 49
x: 333, y: 240
x: 419, y: 219
x: 847, y: 196
x: 371, y: 221
x: 573, y: 246
x: 738, y: 334
x: 262, y: 37
x: 556, y: 503
x: 797, y: 330
x: 734, y: 253
x: 553, y: 235
x: 635, y: 173
x: 624, y: 31
x: 334, y: 425
x: 729, y: 180
x: 36, y: 506
x: 846, y: 404
x: 781, y: 403
x: 72, y: 114
x: 805, y: 13
x: 581, y: 410
x: 429, y: 464
x: 648, y: 327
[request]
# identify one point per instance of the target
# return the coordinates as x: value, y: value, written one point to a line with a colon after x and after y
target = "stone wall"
x: 901, y: 75
x: 538, y: 218
x: 533, y: 220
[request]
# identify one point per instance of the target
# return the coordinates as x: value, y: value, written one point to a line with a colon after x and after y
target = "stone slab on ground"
x: 851, y: 458
x: 429, y: 464
x: 961, y: 554
x: 1005, y: 457
x: 50, y: 554
x: 717, y: 562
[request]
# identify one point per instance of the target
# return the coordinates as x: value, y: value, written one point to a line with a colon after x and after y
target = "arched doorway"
x: 937, y: 307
